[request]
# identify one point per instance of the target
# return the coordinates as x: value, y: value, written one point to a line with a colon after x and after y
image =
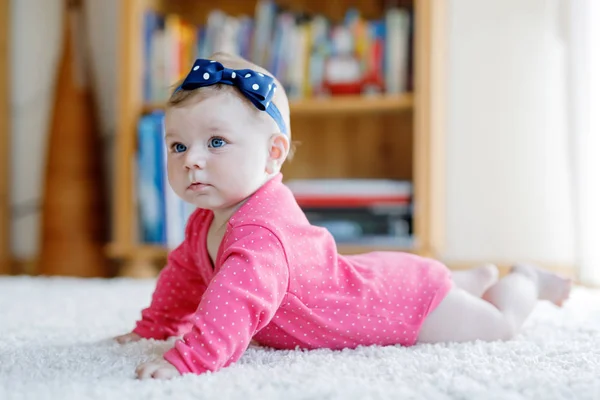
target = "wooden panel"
x: 351, y: 105
x: 349, y: 146
x: 438, y: 117
x: 335, y: 9
x: 430, y: 78
x: 5, y: 256
x: 327, y: 106
x: 195, y: 11
x: 129, y: 105
x: 421, y: 215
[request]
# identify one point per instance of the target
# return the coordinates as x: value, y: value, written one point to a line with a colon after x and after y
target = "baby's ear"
x: 279, y: 147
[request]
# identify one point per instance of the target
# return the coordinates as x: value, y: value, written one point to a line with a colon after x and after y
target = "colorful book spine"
x: 295, y: 47
x: 162, y: 215
x: 150, y: 180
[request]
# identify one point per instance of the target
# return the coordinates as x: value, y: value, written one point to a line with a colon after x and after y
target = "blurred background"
x: 464, y: 130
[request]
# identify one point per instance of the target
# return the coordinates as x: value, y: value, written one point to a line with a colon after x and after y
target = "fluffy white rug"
x: 53, y: 345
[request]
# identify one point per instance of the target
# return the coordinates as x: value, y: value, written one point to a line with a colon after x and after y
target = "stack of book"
x: 373, y: 212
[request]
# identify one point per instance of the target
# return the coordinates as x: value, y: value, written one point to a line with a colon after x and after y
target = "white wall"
x: 585, y: 93
x: 507, y: 136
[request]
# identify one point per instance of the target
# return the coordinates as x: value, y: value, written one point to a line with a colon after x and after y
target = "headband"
x: 255, y: 86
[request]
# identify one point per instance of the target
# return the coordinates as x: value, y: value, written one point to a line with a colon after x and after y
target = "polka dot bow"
x: 255, y: 86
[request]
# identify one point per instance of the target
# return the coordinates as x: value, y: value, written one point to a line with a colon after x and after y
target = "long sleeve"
x: 240, y: 300
x: 178, y: 292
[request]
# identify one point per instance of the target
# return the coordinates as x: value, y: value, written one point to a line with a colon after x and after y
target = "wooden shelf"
x: 142, y: 251
x: 155, y: 252
x: 348, y: 249
x: 352, y: 104
x: 337, y: 105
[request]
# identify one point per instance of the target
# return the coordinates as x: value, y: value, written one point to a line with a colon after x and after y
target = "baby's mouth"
x: 197, y: 186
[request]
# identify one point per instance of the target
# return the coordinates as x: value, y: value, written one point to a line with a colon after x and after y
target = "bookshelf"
x: 378, y: 136
x: 5, y: 258
x: 337, y: 105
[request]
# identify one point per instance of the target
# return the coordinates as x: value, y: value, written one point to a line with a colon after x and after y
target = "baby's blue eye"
x: 216, y: 142
x: 179, y: 148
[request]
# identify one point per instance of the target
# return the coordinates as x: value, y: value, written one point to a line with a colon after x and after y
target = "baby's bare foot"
x: 476, y: 280
x: 487, y: 275
x: 128, y: 337
x: 551, y: 287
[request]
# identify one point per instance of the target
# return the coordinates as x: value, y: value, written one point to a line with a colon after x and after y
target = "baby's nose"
x: 195, y: 161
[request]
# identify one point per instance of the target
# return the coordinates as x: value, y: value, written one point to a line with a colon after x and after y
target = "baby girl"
x: 252, y: 267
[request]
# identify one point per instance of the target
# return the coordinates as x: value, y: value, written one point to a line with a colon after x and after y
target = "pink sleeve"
x: 240, y: 300
x: 177, y: 294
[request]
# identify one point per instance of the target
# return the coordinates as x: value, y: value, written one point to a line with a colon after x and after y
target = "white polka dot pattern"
x: 280, y: 281
x: 178, y: 292
x: 241, y: 299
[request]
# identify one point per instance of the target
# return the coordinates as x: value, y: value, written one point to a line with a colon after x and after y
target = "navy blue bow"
x: 256, y: 86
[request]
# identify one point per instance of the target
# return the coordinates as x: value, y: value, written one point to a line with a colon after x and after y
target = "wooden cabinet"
x: 388, y: 136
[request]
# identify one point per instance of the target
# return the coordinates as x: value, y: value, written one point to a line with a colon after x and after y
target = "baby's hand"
x: 128, y: 337
x: 161, y: 369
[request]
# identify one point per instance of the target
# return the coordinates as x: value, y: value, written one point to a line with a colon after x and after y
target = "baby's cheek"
x: 250, y: 185
x: 178, y: 182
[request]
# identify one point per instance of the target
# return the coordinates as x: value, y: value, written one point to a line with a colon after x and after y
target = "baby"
x: 252, y: 267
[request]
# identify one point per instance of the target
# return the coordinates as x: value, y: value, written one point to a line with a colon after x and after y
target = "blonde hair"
x: 235, y: 62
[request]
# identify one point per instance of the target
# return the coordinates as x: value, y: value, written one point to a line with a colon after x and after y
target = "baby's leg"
x: 477, y: 280
x: 462, y: 317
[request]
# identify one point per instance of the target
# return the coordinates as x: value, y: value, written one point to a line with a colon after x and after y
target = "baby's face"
x: 217, y: 151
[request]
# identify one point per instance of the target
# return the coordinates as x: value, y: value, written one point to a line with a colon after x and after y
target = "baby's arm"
x: 176, y: 297
x: 239, y: 301
x: 177, y: 294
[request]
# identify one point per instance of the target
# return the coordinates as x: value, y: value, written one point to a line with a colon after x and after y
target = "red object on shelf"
x: 350, y: 192
x: 350, y: 201
x: 337, y: 89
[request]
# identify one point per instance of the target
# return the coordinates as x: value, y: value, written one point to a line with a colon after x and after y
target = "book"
x: 358, y: 211
x: 162, y: 215
x: 150, y: 180
x: 295, y: 47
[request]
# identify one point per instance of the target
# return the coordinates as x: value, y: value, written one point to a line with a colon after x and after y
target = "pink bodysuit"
x: 280, y: 281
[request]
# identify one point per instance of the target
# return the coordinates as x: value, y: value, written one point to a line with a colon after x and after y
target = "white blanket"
x: 54, y: 345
